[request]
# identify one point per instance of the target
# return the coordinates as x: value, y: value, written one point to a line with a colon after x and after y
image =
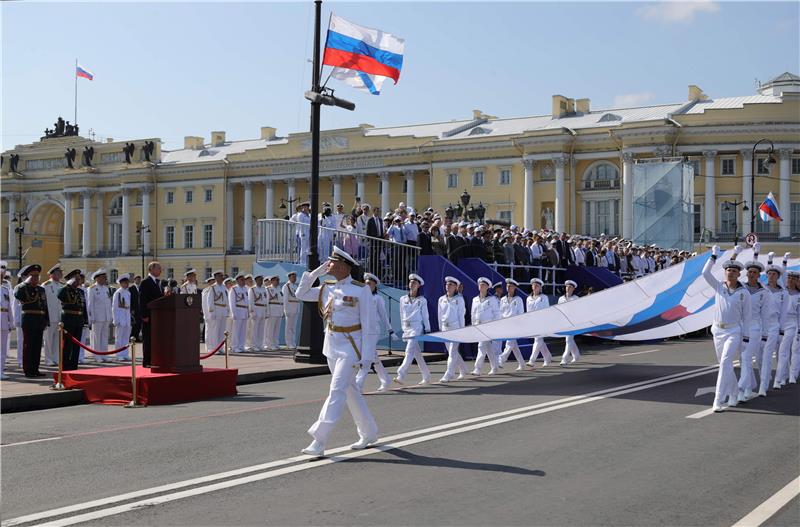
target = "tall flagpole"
x: 75, y: 74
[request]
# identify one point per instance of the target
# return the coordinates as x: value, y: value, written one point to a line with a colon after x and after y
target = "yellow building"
x: 570, y: 170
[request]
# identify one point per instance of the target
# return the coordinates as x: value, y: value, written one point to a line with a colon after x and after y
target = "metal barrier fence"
x: 288, y: 241
x: 551, y: 276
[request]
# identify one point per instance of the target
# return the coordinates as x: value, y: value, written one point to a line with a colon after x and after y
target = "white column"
x: 248, y: 216
x: 784, y: 199
x: 561, y: 216
x: 86, y: 241
x: 126, y: 218
x: 269, y: 199
x: 360, y: 187
x: 67, y: 223
x: 409, y: 174
x: 291, y: 190
x: 573, y: 196
x: 337, y: 190
x: 99, y: 220
x: 385, y: 203
x: 528, y: 216
x: 747, y: 188
x: 711, y: 193
x: 590, y: 219
x: 627, y: 195
x: 12, y: 210
x: 146, y: 218
x: 229, y: 216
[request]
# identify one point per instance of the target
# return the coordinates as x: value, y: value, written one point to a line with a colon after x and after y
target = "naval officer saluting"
x: 346, y: 308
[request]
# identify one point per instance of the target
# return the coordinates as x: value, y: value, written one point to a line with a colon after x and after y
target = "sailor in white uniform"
x: 511, y: 306
x: 761, y: 305
x: 303, y: 217
x: 789, y: 334
x: 6, y: 318
x: 415, y: 321
x: 189, y: 285
x: 257, y: 301
x: 778, y: 306
x: 237, y: 302
x: 731, y: 325
x: 485, y: 308
x: 374, y: 333
x: 570, y: 347
x: 274, y: 313
x: 452, y: 312
x: 121, y: 315
x: 98, y: 308
x: 51, y: 335
x: 346, y: 308
x: 216, y: 311
x: 535, y: 302
x: 291, y: 310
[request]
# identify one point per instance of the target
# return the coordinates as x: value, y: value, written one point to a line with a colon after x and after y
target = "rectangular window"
x: 477, y: 178
x: 504, y: 215
x: 452, y: 180
x: 169, y: 237
x: 698, y: 219
x: 794, y: 219
x: 189, y: 196
x: 209, y: 195
x: 728, y: 167
x: 380, y: 187
x: 208, y: 272
x: 760, y: 167
x: 234, y: 271
x: 170, y: 273
x: 170, y: 197
x: 696, y: 166
x: 727, y: 219
x: 115, y: 236
x: 208, y: 236
x: 405, y: 186
x: 505, y: 177
x: 796, y: 165
x: 188, y: 236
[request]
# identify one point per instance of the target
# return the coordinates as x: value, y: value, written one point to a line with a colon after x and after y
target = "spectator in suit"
x: 149, y: 290
x: 424, y: 240
x: 375, y: 229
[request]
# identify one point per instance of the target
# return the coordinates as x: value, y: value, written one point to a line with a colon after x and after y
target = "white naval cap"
x: 124, y: 276
x: 229, y: 280
x: 537, y: 281
x: 338, y: 255
x: 210, y: 279
x: 754, y: 264
x: 512, y: 281
x: 3, y: 264
x: 370, y: 276
x: 416, y: 277
x: 190, y: 271
x: 497, y: 284
x: 571, y: 282
x: 452, y: 279
x: 484, y: 280
x: 792, y: 274
x: 99, y: 272
x: 240, y: 275
x: 733, y: 264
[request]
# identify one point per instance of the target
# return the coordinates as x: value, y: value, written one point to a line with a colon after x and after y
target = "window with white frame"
x: 796, y: 165
x: 727, y: 218
x: 601, y: 176
x: 208, y: 236
x: 728, y: 167
x: 697, y: 167
x: 170, y: 272
x: 380, y: 187
x: 209, y: 195
x: 505, y: 176
x: 794, y: 218
x: 452, y: 180
x: 189, y: 194
x: 208, y: 272
x: 115, y: 236
x: 504, y: 215
x: 169, y: 237
x: 405, y: 186
x: 113, y: 275
x: 188, y: 236
x: 477, y: 178
x: 698, y: 219
x: 170, y: 197
x: 116, y: 207
x: 234, y: 271
x: 761, y: 167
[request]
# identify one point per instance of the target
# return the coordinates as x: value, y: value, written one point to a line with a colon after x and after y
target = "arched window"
x: 602, y: 175
x: 116, y: 206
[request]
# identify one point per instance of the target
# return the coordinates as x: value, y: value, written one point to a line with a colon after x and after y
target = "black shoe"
x: 35, y: 375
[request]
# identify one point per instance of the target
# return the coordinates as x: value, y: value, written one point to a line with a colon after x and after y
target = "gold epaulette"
x: 359, y: 284
x: 330, y: 281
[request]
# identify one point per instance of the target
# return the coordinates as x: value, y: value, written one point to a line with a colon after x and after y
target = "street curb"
x: 59, y: 399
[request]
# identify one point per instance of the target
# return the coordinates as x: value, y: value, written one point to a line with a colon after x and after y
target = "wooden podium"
x: 175, y: 334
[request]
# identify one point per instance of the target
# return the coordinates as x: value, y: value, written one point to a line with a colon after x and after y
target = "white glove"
x: 786, y: 256
x: 737, y: 250
x: 322, y: 270
x: 715, y: 251
x: 757, y: 247
x: 770, y: 255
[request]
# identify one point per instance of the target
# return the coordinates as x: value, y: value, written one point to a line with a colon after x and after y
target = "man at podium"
x: 149, y: 290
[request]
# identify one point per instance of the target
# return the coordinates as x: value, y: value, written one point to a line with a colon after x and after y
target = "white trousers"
x: 122, y: 335
x: 540, y: 346
x: 343, y: 391
x: 238, y: 333
x: 485, y: 350
x: 291, y: 330
x: 50, y: 340
x: 383, y: 375
x: 259, y: 325
x: 455, y: 363
x: 794, y: 368
x: 750, y: 350
x: 512, y: 347
x: 768, y: 349
x: 215, y: 333
x: 4, y: 338
x: 570, y: 349
x: 98, y: 340
x: 784, y: 354
x: 248, y: 334
x: 727, y: 344
x: 272, y: 333
x: 413, y: 353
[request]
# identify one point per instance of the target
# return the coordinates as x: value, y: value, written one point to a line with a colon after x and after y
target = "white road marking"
x: 700, y: 415
x: 387, y: 443
x: 774, y: 503
x: 30, y: 442
x: 704, y: 390
x: 637, y: 353
x: 701, y: 391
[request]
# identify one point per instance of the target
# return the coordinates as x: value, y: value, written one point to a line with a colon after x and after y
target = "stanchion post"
x: 133, y: 403
x: 58, y: 385
x: 227, y: 334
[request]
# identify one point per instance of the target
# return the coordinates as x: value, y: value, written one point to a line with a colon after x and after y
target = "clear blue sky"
x: 170, y: 70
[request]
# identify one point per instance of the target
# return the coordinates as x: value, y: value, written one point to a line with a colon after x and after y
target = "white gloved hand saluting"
x: 715, y: 251
x: 786, y: 256
x: 737, y: 250
x: 757, y: 247
x: 770, y: 256
x: 322, y: 270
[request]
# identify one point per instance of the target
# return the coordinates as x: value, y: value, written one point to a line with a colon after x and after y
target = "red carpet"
x: 113, y: 385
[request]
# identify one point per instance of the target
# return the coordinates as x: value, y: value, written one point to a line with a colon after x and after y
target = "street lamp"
x: 291, y: 202
x: 465, y: 198
x: 141, y: 230
x: 735, y: 204
x: 20, y: 218
x: 768, y: 162
x: 459, y: 210
x: 480, y: 210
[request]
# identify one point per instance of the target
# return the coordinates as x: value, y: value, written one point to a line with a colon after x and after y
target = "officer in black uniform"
x: 35, y: 318
x: 73, y: 316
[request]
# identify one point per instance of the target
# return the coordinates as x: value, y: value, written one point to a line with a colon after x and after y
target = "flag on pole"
x: 362, y: 57
x: 769, y: 210
x: 80, y: 71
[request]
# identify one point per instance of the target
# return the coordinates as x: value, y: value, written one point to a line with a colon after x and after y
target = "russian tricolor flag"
x: 769, y: 210
x: 80, y: 71
x: 362, y: 57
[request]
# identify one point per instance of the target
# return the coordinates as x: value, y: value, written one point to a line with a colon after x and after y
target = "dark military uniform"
x: 74, y: 318
x: 35, y: 319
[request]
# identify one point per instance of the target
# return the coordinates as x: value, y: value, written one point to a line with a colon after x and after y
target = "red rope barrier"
x: 90, y: 350
x: 203, y: 357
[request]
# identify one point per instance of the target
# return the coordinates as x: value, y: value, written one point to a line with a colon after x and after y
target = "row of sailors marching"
x: 451, y: 309
x: 754, y: 321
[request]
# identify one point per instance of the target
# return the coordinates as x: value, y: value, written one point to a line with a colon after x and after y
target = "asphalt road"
x: 607, y: 441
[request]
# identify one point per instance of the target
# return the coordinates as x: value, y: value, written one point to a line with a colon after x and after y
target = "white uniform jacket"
x: 275, y: 302
x: 452, y: 312
x: 731, y: 306
x: 535, y: 303
x: 51, y: 289
x: 237, y: 300
x: 187, y: 288
x: 257, y: 301
x: 291, y: 304
x: 121, y: 312
x: 510, y: 307
x: 414, y: 316
x: 215, y: 302
x: 485, y: 309
x: 98, y: 303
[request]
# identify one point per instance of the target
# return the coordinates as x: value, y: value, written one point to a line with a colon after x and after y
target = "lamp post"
x: 20, y: 218
x: 480, y: 211
x: 735, y: 204
x: 141, y: 230
x: 768, y: 162
x: 291, y: 201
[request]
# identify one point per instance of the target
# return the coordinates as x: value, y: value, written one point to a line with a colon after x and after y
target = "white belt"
x: 726, y: 326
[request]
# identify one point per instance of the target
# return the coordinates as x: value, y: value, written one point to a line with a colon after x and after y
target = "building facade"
x: 570, y: 171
